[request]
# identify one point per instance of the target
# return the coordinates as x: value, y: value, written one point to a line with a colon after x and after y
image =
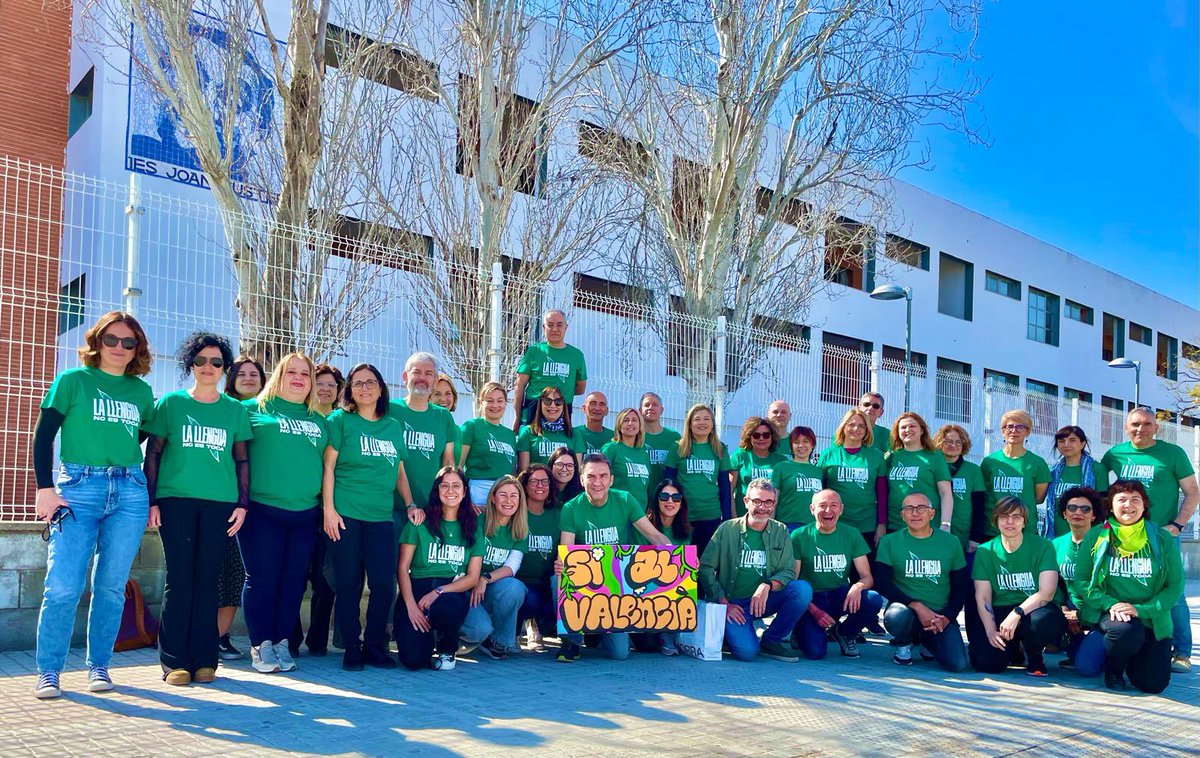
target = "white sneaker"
x: 262, y: 658
x: 444, y: 662
x: 903, y: 656
x: 284, y: 656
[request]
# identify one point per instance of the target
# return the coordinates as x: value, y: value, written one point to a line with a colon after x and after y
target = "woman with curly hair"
x: 198, y: 479
x: 756, y: 456
x: 98, y: 505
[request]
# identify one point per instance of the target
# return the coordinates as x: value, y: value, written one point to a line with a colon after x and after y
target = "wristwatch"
x: 487, y: 577
x: 1019, y: 611
x: 438, y: 590
x: 411, y: 506
x: 1177, y: 525
x: 945, y: 523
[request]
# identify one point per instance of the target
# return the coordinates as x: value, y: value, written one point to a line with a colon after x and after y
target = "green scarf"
x: 1129, y: 540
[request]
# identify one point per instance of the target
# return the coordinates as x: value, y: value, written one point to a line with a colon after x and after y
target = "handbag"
x: 139, y: 628
x: 705, y: 643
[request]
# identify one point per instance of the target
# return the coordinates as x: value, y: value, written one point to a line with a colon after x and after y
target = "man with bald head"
x: 779, y: 413
x: 592, y: 435
x: 551, y: 362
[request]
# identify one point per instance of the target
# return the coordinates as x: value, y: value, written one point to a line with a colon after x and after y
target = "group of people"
x: 261, y: 483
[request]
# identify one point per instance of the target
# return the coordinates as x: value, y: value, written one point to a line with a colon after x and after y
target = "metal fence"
x: 73, y: 247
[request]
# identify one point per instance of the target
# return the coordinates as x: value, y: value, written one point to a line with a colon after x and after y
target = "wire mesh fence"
x: 73, y: 247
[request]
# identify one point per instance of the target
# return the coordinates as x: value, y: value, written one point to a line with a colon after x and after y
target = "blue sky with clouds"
x: 1092, y: 115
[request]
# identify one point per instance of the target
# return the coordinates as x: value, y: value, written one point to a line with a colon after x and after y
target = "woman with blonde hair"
x: 1014, y: 470
x: 700, y: 465
x: 628, y: 455
x: 497, y: 597
x: 855, y: 470
x: 489, y: 449
x: 915, y: 466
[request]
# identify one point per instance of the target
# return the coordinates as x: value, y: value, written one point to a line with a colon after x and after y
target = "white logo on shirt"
x: 702, y: 466
x: 959, y: 485
x: 106, y: 409
x: 1138, y: 569
x: 556, y: 369
x: 596, y: 535
x: 904, y: 474
x: 808, y: 484
x: 541, y: 543
x: 829, y: 563
x: 1141, y: 472
x: 419, y: 442
x: 852, y: 474
x: 193, y: 434
x: 301, y: 428
x: 919, y: 568
x: 1011, y: 484
x: 501, y: 447
x: 1021, y: 581
x: 636, y: 470
x: 451, y: 555
x: 370, y: 447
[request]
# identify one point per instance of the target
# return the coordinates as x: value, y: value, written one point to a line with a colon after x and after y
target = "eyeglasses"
x: 451, y: 486
x: 327, y: 385
x: 757, y: 503
x: 1015, y: 427
x: 201, y: 360
x: 916, y: 508
x: 564, y: 465
x: 553, y: 401
x: 539, y: 482
x: 876, y: 406
x: 112, y: 340
x: 56, y: 520
x: 675, y: 496
x: 1073, y: 508
x: 760, y: 435
x: 951, y: 441
x: 364, y: 384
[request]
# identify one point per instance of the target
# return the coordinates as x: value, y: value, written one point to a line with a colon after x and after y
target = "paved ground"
x: 648, y: 705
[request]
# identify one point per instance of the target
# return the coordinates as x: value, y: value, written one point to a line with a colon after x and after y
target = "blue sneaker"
x: 99, y: 680
x: 47, y: 685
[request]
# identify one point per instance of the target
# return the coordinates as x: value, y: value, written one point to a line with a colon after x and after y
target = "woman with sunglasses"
x: 549, y: 429
x: 564, y: 472
x: 1014, y: 471
x: 99, y: 408
x: 489, y: 449
x: 1080, y: 508
x: 541, y: 548
x: 700, y: 465
x: 198, y: 478
x: 1075, y: 468
x: 797, y: 480
x: 755, y: 458
x: 914, y: 466
x: 668, y: 513
x: 629, y: 457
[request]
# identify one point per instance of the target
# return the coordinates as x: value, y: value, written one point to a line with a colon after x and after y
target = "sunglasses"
x: 675, y: 496
x: 56, y: 520
x: 876, y: 406
x: 760, y: 435
x: 1078, y: 508
x: 552, y: 401
x: 201, y: 360
x: 112, y: 340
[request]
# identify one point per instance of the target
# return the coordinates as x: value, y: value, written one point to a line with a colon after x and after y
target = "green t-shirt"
x: 750, y: 467
x: 1065, y: 551
x: 797, y: 483
x: 426, y: 434
x: 670, y: 532
x: 1013, y: 576
x: 444, y: 558
x: 493, y: 450
x: 1072, y: 476
x: 630, y: 469
x: 659, y: 445
x: 587, y: 441
x: 102, y: 414
x: 752, y: 566
x: 1004, y: 476
x: 286, y: 454
x: 498, y: 547
x: 541, y: 547
x: 881, y: 438
x: 921, y: 566
x: 914, y: 471
x: 967, y: 480
x: 197, y: 460
x: 697, y: 476
x: 825, y: 559
x: 547, y: 366
x: 609, y: 524
x: 853, y: 475
x: 540, y: 448
x: 368, y: 464
x: 1159, y: 468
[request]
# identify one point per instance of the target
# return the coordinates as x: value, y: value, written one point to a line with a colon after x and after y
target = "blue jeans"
x: 496, y: 616
x: 111, y: 508
x: 480, y: 488
x: 614, y: 644
x: 1089, y: 653
x: 947, y: 647
x: 787, y: 605
x: 809, y: 635
x: 539, y: 606
x: 1181, y: 617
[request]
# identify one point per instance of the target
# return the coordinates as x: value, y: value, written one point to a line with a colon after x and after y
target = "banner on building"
x: 627, y: 588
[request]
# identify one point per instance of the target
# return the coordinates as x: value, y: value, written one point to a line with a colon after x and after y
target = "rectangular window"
x: 379, y: 244
x: 601, y: 295
x: 906, y: 251
x: 1079, y: 312
x: 793, y: 212
x: 608, y: 148
x: 1043, y: 317
x: 1112, y: 420
x: 689, y: 181
x: 780, y: 334
x: 1168, y: 357
x: 849, y: 254
x: 1000, y: 381
x: 1002, y: 285
x: 1080, y: 395
x: 1041, y: 400
x: 954, y: 390
x: 893, y: 360
x: 522, y: 160
x: 71, y: 304
x: 1112, y: 338
x: 79, y: 107
x: 380, y: 62
x: 1141, y: 334
x: 956, y: 285
x: 845, y: 368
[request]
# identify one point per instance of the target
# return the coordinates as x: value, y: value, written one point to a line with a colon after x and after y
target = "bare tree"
x: 763, y: 134
x: 1186, y: 389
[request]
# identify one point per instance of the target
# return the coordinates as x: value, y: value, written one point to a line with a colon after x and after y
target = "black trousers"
x: 446, y: 617
x: 369, y: 545
x: 320, y: 605
x: 1131, y: 648
x: 702, y: 533
x: 193, y: 534
x: 1038, y: 629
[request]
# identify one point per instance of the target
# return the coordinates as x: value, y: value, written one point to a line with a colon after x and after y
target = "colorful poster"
x: 627, y: 588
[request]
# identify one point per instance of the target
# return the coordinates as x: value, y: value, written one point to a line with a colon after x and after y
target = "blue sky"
x: 1092, y: 114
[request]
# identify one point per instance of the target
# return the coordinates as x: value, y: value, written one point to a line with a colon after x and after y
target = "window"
x: 1112, y: 339
x: 849, y: 254
x: 79, y: 108
x: 689, y: 182
x: 793, y: 212
x: 845, y: 368
x: 1041, y: 400
x: 1079, y: 312
x: 1168, y: 357
x: 1112, y: 420
x: 999, y: 381
x: 380, y: 62
x: 1080, y: 395
x: 603, y: 296
x: 954, y: 390
x: 906, y: 251
x: 1139, y: 333
x: 379, y: 244
x: 956, y: 284
x: 522, y: 163
x: 1190, y: 352
x: 616, y: 151
x: 70, y: 304
x: 893, y: 360
x: 1043, y: 317
x: 1002, y: 285
x: 780, y: 334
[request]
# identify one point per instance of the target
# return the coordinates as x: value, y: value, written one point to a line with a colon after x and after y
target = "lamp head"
x: 889, y: 292
x: 1124, y: 363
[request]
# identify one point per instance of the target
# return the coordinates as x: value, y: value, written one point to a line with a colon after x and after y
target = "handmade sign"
x: 627, y: 588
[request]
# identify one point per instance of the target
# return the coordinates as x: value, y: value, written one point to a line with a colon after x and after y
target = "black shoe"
x: 319, y: 652
x: 569, y: 652
x: 493, y: 649
x: 378, y: 656
x: 860, y: 638
x: 1036, y: 665
x: 874, y: 627
x: 294, y: 650
x: 227, y: 651
x: 1066, y: 663
x: 1016, y: 655
x: 1115, y: 682
x: 352, y: 659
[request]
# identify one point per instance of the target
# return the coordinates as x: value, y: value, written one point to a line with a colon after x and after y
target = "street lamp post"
x: 1137, y: 376
x: 896, y: 292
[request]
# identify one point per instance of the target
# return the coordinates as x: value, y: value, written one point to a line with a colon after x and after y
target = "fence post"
x: 497, y: 321
x: 1074, y: 411
x: 1195, y: 461
x: 987, y: 417
x: 133, y: 241
x: 721, y: 346
x: 876, y: 367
